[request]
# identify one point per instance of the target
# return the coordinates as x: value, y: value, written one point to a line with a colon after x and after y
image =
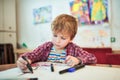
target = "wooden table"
x: 106, y: 65
x: 7, y: 66
x: 18, y: 52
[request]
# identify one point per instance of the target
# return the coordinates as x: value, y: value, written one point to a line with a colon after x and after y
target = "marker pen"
x: 52, y: 68
x: 72, y: 69
x: 28, y: 65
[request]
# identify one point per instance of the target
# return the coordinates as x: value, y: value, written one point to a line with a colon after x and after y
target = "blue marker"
x: 72, y: 69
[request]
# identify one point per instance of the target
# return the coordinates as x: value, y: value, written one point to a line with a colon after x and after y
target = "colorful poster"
x: 42, y: 15
x: 98, y: 11
x: 90, y: 11
x: 79, y: 9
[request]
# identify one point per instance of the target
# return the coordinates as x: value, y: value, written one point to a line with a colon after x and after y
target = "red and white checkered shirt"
x: 41, y: 53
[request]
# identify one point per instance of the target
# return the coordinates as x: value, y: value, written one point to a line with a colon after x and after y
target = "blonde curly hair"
x: 65, y: 24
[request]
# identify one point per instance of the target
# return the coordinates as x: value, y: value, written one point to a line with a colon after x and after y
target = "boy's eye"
x: 63, y: 38
x: 55, y: 35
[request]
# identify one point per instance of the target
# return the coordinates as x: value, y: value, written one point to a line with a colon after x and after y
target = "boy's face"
x: 60, y: 41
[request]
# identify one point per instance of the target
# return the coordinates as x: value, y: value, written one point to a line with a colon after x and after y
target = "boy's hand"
x: 71, y: 61
x: 21, y: 63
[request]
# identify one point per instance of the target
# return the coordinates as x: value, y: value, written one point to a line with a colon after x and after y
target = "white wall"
x: 115, y: 23
x: 34, y: 35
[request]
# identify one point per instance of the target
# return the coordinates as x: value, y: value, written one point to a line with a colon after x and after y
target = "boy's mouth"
x: 57, y: 45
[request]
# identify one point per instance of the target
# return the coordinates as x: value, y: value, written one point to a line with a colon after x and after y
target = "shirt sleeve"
x: 84, y: 56
x: 78, y: 52
x: 38, y: 54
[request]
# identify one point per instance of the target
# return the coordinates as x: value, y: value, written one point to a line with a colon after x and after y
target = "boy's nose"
x: 58, y: 40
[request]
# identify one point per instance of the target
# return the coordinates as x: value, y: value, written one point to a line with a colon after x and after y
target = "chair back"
x: 7, y: 55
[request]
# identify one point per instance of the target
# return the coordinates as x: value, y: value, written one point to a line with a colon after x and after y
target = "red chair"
x: 100, y: 54
x: 113, y: 58
x: 7, y: 54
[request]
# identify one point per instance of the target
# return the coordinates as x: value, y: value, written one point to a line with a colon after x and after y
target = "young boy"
x: 60, y: 49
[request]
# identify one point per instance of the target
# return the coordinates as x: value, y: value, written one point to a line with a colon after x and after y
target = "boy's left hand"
x: 71, y: 61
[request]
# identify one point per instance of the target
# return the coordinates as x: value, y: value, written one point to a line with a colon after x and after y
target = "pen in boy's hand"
x: 52, y: 67
x: 28, y: 65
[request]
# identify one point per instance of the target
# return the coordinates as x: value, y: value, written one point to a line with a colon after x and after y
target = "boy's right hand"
x: 21, y: 63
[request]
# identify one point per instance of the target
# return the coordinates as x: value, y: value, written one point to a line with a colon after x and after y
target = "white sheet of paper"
x: 44, y: 73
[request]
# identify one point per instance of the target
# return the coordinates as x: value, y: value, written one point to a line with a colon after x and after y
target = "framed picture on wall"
x: 42, y: 14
